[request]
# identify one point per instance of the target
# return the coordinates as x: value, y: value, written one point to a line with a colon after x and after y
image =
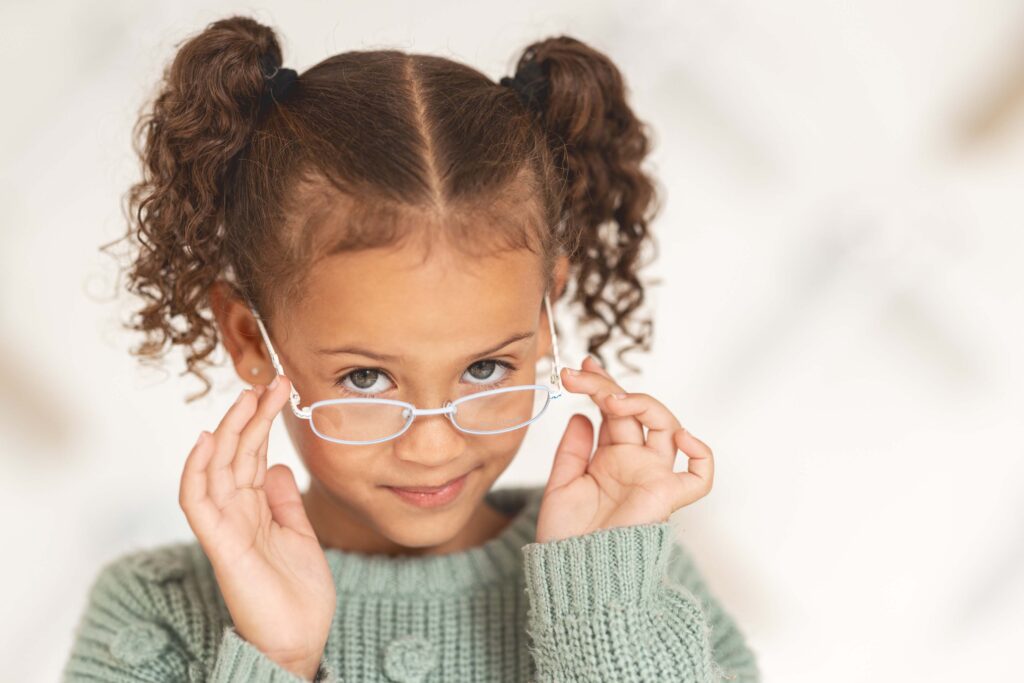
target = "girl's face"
x: 391, y: 324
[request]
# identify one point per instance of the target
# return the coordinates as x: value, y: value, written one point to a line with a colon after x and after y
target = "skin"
x: 265, y: 539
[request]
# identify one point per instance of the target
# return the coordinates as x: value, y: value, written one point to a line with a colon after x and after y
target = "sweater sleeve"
x: 239, y: 660
x: 132, y: 631
x: 620, y: 604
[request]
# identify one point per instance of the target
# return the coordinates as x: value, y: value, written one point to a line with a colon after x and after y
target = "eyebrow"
x: 384, y: 357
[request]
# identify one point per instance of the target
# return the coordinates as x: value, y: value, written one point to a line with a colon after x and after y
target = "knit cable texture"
x: 622, y: 604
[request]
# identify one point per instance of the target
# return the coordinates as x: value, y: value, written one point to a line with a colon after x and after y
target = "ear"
x: 557, y: 287
x: 240, y: 335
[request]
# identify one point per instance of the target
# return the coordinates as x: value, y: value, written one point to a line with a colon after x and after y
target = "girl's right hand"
x: 252, y: 525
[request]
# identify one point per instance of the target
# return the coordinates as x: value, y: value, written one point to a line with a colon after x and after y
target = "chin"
x: 408, y: 538
x: 424, y: 532
x: 415, y: 527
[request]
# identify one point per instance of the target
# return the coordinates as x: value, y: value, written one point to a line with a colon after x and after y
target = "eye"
x: 367, y: 382
x: 485, y: 370
x: 363, y: 381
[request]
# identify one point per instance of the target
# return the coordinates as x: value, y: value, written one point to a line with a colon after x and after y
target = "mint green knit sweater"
x: 622, y: 604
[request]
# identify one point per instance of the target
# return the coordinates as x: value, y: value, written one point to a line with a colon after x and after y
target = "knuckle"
x: 246, y: 452
x: 263, y: 418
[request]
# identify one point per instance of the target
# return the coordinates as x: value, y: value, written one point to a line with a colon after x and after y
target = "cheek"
x: 497, y: 450
x: 338, y: 466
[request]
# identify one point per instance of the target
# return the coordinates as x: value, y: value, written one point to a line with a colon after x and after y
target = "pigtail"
x: 188, y: 141
x: 608, y: 201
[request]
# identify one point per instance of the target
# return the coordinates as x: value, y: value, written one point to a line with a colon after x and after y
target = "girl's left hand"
x: 629, y: 480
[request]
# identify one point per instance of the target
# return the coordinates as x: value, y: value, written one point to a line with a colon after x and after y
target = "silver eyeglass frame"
x: 412, y: 412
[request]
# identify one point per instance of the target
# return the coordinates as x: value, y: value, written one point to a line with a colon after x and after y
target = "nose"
x: 432, y: 441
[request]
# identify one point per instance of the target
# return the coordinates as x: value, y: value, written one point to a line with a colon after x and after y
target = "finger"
x: 696, y: 482
x: 220, y: 480
x: 192, y: 495
x: 620, y: 429
x: 256, y: 433
x: 573, y: 453
x: 237, y: 468
x: 603, y: 437
x: 260, y: 476
x: 284, y: 500
x: 653, y: 414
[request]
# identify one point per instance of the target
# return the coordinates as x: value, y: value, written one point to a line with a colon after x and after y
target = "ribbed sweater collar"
x: 494, y: 561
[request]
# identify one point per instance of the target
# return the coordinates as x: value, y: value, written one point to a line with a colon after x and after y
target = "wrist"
x: 305, y: 668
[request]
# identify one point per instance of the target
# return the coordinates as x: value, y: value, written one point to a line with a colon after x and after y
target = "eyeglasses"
x: 362, y: 421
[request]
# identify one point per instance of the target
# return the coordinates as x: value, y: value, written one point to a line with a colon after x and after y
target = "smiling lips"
x: 429, y: 489
x: 423, y: 489
x: 431, y: 496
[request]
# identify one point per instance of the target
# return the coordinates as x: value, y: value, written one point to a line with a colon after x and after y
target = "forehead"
x: 401, y: 301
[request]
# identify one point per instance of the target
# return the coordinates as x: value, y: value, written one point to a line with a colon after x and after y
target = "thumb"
x: 284, y: 500
x: 573, y: 453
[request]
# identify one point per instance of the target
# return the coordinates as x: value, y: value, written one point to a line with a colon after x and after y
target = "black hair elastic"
x: 530, y: 85
x: 278, y: 79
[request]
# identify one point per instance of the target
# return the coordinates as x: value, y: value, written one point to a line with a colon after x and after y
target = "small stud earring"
x: 254, y: 371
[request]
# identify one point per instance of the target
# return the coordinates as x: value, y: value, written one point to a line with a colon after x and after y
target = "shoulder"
x: 684, y: 573
x: 728, y: 640
x: 154, y: 607
x: 157, y: 564
x: 147, y: 575
x: 682, y: 568
x: 173, y: 582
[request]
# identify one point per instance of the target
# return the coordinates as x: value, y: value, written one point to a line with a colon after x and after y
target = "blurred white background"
x: 840, y: 319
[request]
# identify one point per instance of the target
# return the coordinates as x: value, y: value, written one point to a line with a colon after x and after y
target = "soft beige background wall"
x: 840, y: 319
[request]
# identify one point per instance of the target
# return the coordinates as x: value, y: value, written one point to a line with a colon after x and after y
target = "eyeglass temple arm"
x: 556, y: 368
x: 303, y: 413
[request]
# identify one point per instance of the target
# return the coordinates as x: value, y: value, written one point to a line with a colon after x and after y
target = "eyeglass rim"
x: 445, y: 410
x: 306, y: 413
x: 434, y: 411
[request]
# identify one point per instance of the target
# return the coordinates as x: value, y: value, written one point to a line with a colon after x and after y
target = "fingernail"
x: 595, y: 361
x: 573, y: 372
x: 240, y: 395
x: 618, y: 396
x: 199, y: 439
x: 273, y: 385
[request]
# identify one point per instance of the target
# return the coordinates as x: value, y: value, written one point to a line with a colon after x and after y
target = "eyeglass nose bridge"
x: 412, y: 412
x: 447, y: 409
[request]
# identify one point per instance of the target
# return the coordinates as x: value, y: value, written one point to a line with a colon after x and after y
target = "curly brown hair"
x: 363, y: 146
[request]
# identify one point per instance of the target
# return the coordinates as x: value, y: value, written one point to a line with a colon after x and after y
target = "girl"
x: 379, y: 242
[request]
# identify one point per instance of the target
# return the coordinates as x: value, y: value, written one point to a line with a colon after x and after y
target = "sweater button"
x: 197, y: 672
x: 409, y: 659
x: 138, y: 643
x: 158, y: 567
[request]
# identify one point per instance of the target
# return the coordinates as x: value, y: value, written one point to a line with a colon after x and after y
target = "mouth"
x: 432, y: 496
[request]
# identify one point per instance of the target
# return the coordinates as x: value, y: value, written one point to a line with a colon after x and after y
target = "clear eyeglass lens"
x: 369, y: 421
x: 358, y: 421
x: 500, y: 411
